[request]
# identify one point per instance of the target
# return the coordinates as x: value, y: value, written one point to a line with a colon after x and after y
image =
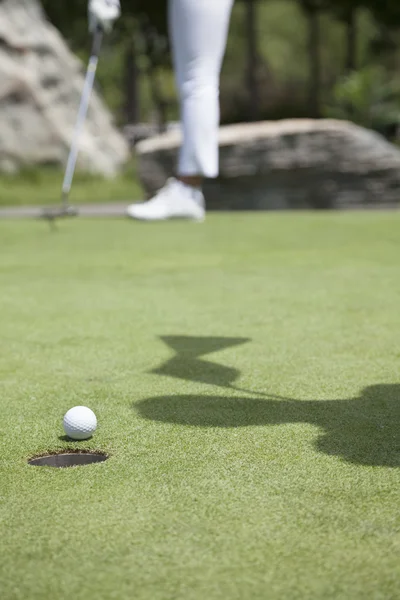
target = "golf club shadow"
x: 364, y: 430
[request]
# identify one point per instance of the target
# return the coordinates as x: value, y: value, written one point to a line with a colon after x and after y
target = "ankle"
x: 195, y: 181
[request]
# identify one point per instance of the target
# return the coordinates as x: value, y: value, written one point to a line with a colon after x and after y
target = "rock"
x: 41, y: 83
x: 288, y: 164
x: 137, y: 132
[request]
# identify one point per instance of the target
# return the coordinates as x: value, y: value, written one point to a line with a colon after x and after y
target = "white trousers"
x: 198, y: 31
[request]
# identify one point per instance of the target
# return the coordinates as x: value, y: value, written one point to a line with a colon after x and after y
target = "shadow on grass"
x: 188, y: 366
x: 363, y: 430
x: 65, y: 438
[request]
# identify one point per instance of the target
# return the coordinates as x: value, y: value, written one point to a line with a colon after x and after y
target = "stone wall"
x: 288, y: 164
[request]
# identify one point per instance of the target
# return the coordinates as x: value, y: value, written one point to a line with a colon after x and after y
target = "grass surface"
x: 42, y: 187
x: 287, y: 491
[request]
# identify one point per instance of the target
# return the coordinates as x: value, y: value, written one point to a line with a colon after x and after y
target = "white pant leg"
x: 199, y: 30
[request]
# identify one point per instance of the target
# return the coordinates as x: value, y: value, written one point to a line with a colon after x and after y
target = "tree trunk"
x: 153, y: 60
x: 351, y: 40
x: 159, y: 101
x: 314, y: 44
x: 132, y: 108
x: 252, y: 60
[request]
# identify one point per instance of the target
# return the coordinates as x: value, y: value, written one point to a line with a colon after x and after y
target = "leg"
x: 199, y: 30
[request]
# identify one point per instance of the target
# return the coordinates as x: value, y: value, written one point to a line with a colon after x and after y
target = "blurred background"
x: 286, y: 59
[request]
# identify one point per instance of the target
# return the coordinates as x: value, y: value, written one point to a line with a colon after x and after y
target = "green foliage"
x: 386, y: 12
x: 368, y: 97
x: 283, y: 66
x: 155, y: 11
x: 70, y: 17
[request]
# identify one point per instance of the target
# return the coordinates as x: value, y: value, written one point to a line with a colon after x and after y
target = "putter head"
x: 51, y: 214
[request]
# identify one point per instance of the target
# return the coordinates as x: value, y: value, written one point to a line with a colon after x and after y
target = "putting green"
x: 245, y: 376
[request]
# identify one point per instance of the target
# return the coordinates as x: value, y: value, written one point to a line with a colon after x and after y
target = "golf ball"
x: 80, y: 423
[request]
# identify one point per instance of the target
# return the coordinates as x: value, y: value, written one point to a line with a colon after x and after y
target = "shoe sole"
x: 199, y: 219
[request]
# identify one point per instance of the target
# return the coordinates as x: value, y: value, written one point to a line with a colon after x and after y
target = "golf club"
x: 65, y: 209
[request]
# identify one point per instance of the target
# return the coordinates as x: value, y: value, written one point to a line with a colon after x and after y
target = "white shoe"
x: 175, y: 200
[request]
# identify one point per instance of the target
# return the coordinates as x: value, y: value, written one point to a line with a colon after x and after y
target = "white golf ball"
x: 80, y: 423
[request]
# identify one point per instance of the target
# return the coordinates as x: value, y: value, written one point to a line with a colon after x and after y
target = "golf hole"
x: 62, y: 460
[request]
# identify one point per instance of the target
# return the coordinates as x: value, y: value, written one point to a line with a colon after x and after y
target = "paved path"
x: 115, y: 209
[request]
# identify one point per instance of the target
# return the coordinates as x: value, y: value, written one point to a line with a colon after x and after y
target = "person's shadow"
x: 363, y: 430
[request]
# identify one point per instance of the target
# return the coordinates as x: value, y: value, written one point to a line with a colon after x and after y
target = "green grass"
x: 42, y: 187
x: 287, y: 491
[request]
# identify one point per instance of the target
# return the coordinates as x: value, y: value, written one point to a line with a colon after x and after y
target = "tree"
x: 66, y: 14
x: 346, y: 11
x: 142, y: 28
x: 386, y: 12
x: 70, y: 17
x: 252, y: 59
x: 312, y: 10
